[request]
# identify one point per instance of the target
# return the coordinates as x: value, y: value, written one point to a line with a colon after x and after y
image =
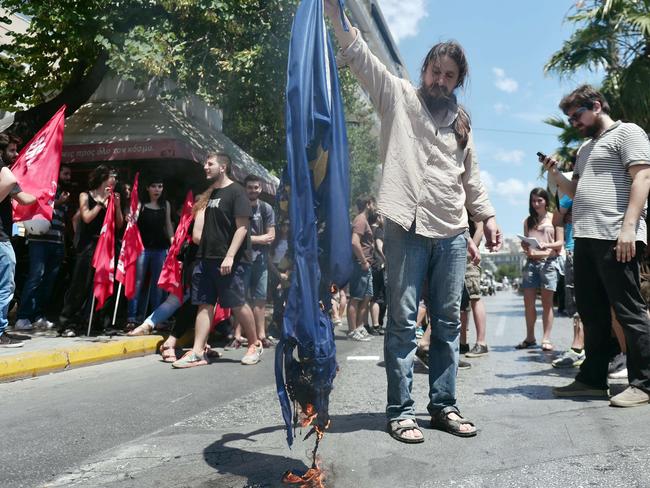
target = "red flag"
x: 220, y: 314
x: 171, y: 275
x: 104, y: 257
x: 37, y: 169
x: 131, y: 249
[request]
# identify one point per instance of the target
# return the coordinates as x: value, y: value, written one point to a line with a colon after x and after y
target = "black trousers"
x: 600, y: 280
x: 80, y: 290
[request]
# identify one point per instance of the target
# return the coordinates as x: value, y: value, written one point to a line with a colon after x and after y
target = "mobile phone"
x: 541, y: 156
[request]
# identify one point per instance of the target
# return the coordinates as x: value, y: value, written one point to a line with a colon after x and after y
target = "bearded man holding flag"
x: 430, y: 174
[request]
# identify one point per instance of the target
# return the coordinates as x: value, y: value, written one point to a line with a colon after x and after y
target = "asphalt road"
x: 138, y: 423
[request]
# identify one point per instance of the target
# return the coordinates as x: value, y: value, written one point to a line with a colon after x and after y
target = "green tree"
x: 510, y: 270
x: 231, y: 53
x: 363, y: 139
x: 613, y: 35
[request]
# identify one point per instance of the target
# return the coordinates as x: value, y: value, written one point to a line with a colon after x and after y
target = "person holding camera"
x: 609, y: 187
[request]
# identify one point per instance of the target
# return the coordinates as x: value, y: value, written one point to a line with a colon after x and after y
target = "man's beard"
x: 437, y: 98
x: 594, y: 129
x: 214, y: 179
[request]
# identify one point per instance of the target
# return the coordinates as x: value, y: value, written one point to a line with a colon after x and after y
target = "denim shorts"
x: 360, y: 282
x: 256, y: 279
x: 209, y: 286
x: 540, y: 273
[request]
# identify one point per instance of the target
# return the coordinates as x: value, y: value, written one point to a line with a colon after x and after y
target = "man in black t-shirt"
x: 221, y: 221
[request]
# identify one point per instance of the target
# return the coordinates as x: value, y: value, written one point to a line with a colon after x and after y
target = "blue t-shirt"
x: 567, y: 203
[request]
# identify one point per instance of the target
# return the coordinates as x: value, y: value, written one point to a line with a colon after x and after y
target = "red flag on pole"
x: 132, y: 247
x: 171, y: 275
x: 37, y: 169
x: 104, y: 257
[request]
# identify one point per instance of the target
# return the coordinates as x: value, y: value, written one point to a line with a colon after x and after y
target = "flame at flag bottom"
x: 315, y: 191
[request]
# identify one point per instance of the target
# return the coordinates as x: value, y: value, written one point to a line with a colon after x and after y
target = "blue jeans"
x: 166, y: 309
x: 7, y: 272
x: 150, y: 261
x: 257, y: 277
x: 410, y: 259
x: 361, y: 286
x: 44, y: 262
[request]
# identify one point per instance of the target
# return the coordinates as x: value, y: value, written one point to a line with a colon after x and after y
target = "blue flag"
x: 316, y: 184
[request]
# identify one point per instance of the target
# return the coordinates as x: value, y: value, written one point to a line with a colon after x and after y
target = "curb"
x: 30, y: 364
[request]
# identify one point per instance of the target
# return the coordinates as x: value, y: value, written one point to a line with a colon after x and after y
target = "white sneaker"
x: 357, y: 335
x: 253, y: 355
x: 618, y: 375
x: 43, y: 323
x: 364, y: 332
x: 23, y: 324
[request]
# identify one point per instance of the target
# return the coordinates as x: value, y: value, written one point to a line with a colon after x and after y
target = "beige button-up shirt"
x: 426, y: 175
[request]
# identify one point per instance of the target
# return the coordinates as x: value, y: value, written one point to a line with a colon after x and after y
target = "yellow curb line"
x: 30, y: 364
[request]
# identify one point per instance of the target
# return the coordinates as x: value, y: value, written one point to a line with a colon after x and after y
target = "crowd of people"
x: 416, y: 268
x: 232, y: 247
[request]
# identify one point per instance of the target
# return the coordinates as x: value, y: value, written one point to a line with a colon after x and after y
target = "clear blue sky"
x: 507, y: 43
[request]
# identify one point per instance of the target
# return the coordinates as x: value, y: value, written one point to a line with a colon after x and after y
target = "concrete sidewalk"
x: 42, y: 355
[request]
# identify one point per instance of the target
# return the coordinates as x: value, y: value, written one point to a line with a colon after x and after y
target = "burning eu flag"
x: 316, y: 181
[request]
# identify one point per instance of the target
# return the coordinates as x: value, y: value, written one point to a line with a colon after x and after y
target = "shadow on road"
x: 263, y: 469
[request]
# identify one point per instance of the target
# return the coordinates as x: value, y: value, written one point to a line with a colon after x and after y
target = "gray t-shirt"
x: 604, y: 182
x: 263, y: 218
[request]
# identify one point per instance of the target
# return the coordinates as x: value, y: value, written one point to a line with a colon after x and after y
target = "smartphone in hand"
x: 541, y: 156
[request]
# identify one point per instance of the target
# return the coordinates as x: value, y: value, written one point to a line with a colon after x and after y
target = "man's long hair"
x: 453, y: 50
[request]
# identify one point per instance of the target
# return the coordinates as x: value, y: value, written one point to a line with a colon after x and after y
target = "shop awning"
x: 150, y: 128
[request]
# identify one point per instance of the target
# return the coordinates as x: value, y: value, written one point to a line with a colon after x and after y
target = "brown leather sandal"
x: 141, y: 330
x: 168, y: 353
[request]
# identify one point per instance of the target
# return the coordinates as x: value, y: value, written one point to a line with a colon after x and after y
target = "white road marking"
x: 363, y: 358
x: 501, y: 327
x: 181, y: 398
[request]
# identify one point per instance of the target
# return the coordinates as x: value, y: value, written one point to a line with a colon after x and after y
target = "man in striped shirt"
x: 46, y: 252
x: 610, y: 186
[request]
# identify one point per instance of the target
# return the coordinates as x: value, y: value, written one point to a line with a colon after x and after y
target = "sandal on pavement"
x: 526, y: 344
x: 168, y: 353
x: 547, y: 346
x: 130, y: 326
x: 396, y: 431
x: 141, y: 330
x: 441, y: 421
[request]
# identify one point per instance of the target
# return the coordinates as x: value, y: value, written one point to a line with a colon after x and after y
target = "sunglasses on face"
x: 576, y: 115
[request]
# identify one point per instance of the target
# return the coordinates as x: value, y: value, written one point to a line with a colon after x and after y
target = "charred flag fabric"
x: 317, y: 183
